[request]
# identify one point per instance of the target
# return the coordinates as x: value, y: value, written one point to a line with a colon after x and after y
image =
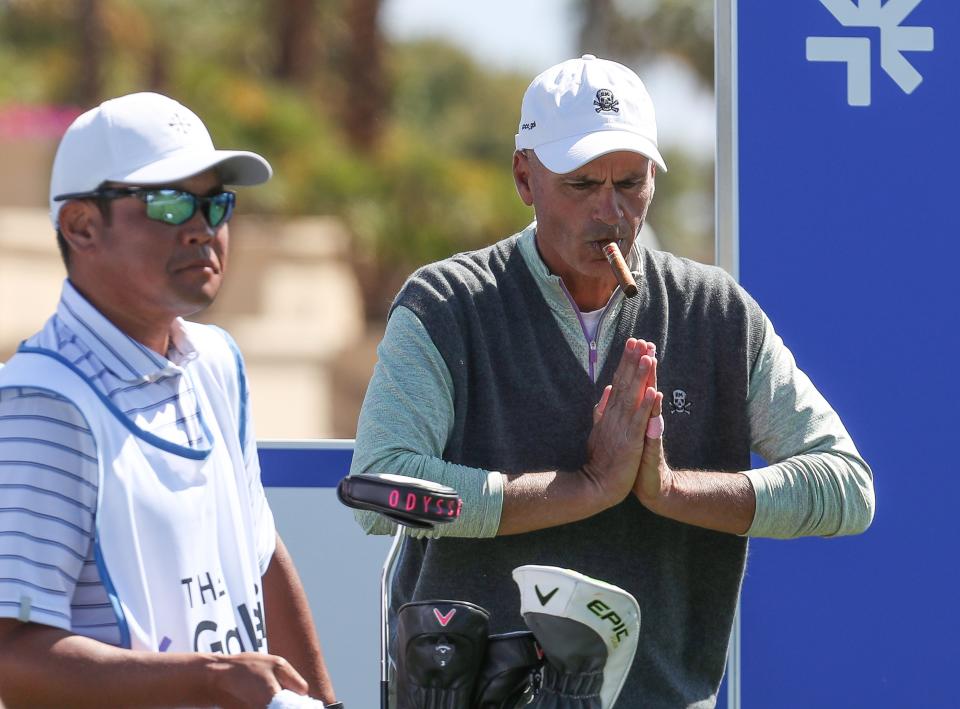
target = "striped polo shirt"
x: 49, y: 472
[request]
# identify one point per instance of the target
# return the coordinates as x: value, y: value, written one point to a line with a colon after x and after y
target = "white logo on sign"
x: 855, y: 51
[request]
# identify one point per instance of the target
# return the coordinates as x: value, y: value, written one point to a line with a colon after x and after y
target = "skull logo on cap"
x: 606, y: 102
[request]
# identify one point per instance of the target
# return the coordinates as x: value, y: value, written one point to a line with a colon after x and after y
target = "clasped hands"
x: 621, y: 457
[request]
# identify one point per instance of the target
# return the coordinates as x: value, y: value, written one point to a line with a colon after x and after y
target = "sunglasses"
x: 169, y: 206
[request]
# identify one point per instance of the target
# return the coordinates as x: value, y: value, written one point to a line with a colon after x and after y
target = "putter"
x: 410, y: 502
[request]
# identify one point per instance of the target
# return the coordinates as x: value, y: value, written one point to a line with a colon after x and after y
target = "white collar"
x: 128, y: 359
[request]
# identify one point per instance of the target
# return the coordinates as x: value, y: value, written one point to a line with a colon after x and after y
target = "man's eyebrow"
x: 588, y: 180
x: 634, y: 177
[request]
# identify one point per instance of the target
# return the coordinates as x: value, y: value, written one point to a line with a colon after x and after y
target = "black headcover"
x: 506, y: 678
x: 409, y: 501
x: 440, y: 648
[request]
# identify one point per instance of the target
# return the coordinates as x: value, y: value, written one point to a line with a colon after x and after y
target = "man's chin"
x: 194, y: 300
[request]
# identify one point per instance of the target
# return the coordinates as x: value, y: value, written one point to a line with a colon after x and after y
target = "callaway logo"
x: 444, y: 619
x: 442, y: 654
x: 545, y: 597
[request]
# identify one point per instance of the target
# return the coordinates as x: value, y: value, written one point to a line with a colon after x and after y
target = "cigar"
x: 619, y: 268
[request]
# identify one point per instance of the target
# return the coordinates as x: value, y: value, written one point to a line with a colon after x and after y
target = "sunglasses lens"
x: 219, y: 208
x: 170, y: 206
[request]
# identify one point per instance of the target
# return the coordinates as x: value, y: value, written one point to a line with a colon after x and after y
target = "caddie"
x: 139, y: 561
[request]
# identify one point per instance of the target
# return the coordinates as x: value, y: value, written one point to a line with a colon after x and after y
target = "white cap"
x: 143, y: 139
x: 583, y: 108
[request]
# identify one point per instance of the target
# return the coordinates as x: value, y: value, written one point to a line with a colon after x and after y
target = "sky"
x: 530, y: 35
x: 524, y: 35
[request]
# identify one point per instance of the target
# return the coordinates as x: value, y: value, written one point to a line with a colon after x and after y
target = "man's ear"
x: 80, y: 224
x: 521, y: 177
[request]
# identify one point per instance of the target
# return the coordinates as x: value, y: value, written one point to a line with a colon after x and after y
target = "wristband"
x: 655, y: 427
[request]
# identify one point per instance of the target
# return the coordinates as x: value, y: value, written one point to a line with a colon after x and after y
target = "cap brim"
x: 567, y: 154
x: 236, y: 167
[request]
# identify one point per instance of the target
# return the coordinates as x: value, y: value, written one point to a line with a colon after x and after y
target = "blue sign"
x: 847, y: 124
x: 314, y: 463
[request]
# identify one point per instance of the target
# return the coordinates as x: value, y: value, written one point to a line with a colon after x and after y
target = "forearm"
x: 803, y: 496
x: 45, y: 666
x: 290, y: 630
x: 493, y: 503
x: 723, y: 502
x: 533, y: 501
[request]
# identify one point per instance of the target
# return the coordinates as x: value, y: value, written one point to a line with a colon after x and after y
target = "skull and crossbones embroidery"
x: 606, y: 102
x: 679, y: 403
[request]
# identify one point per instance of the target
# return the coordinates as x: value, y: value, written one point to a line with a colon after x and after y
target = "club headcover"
x: 410, y: 501
x: 577, y: 619
x: 506, y: 677
x: 440, y: 648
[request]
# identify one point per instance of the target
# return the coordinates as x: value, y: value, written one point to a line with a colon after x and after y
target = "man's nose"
x: 197, y: 231
x: 607, y: 207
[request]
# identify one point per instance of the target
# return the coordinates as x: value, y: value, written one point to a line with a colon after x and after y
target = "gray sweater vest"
x: 523, y: 403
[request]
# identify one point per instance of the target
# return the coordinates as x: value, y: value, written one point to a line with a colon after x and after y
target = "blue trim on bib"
x: 111, y: 590
x: 156, y: 441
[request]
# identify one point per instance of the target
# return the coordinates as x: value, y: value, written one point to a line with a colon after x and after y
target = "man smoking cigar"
x: 596, y: 432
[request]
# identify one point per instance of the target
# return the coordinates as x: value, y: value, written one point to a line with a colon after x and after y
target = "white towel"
x: 287, y: 699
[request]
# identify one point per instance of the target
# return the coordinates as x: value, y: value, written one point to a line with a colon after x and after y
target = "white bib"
x: 174, y: 539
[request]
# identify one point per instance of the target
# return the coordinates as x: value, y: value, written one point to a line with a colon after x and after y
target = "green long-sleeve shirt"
x: 816, y: 483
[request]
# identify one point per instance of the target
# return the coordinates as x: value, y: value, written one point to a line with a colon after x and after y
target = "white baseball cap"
x: 583, y: 108
x: 143, y: 139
